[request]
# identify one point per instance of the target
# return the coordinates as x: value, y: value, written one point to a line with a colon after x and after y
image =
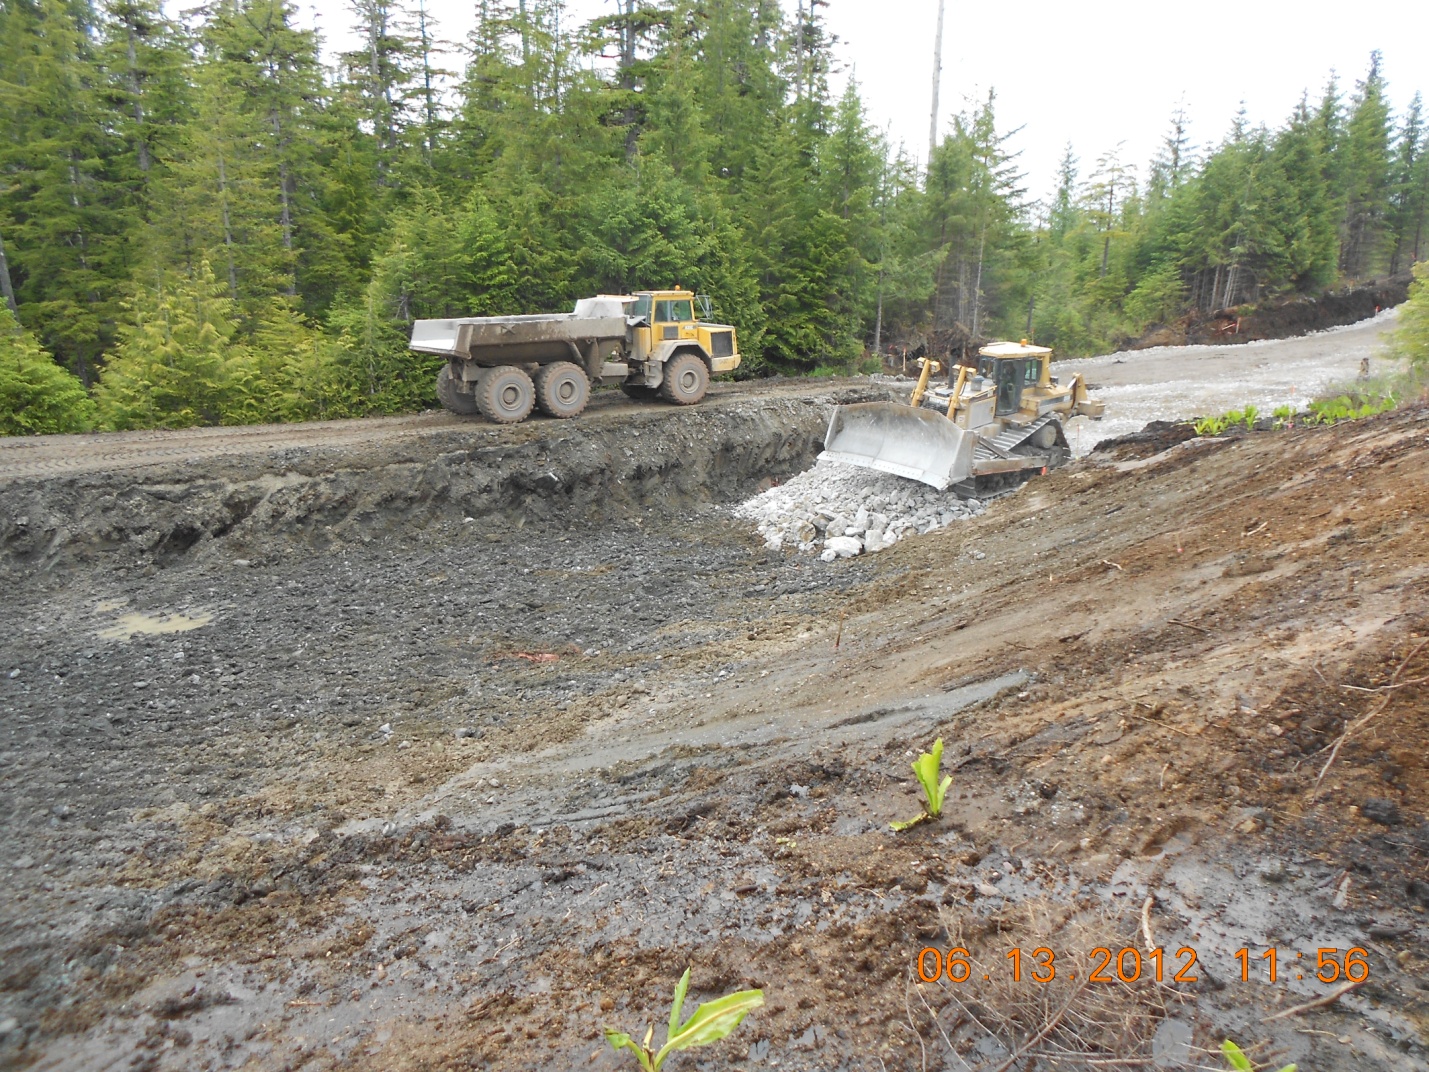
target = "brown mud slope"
x: 1280, y: 319
x: 457, y: 800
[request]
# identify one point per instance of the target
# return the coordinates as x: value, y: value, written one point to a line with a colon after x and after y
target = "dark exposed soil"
x: 1282, y: 318
x: 418, y: 792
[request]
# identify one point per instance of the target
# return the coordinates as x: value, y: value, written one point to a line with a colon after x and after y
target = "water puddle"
x: 136, y: 624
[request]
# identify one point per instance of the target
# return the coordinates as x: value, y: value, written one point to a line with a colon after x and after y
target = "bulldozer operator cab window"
x: 640, y: 308
x: 674, y: 312
x: 1010, y: 377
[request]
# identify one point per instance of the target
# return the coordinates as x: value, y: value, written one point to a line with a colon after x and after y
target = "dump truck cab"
x: 667, y: 322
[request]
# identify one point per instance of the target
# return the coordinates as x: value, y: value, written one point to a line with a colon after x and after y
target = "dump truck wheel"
x: 686, y: 380
x: 453, y: 398
x: 505, y: 395
x: 639, y: 391
x: 562, y: 389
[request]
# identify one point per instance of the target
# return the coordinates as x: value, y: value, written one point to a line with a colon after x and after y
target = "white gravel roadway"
x: 1170, y: 383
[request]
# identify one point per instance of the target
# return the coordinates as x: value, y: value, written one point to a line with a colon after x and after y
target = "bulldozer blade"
x: 919, y: 444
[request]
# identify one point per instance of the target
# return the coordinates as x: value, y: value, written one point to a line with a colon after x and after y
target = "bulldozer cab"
x: 1011, y: 375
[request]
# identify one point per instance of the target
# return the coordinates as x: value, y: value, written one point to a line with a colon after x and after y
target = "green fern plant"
x: 709, y: 1022
x: 926, y: 769
x: 1239, y: 1061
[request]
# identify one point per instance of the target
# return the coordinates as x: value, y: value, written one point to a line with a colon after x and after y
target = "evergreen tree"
x: 1410, y: 188
x: 172, y: 367
x: 37, y: 397
x: 65, y: 213
x: 1366, y: 175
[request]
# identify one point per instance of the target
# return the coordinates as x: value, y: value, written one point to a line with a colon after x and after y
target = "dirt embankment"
x: 325, y: 484
x: 459, y: 795
x: 1280, y: 319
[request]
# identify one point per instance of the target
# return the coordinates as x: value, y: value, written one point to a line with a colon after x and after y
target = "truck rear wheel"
x: 562, y: 389
x: 686, y: 380
x: 452, y: 397
x: 505, y: 394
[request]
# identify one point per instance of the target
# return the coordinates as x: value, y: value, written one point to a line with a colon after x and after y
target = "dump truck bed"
x: 500, y: 339
x: 468, y: 336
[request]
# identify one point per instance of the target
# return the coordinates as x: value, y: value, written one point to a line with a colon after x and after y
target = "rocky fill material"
x: 842, y: 510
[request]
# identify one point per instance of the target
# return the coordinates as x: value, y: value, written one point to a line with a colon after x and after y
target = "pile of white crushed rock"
x: 842, y: 510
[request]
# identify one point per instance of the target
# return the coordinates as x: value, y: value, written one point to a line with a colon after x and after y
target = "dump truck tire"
x: 562, y: 390
x: 639, y: 391
x: 505, y: 394
x: 452, y: 398
x: 686, y: 380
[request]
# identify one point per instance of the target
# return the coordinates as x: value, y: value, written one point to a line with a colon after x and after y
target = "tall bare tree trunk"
x: 428, y: 94
x: 627, y: 77
x: 877, y: 323
x: 143, y: 145
x: 227, y: 228
x: 799, y: 55
x: 5, y: 286
x: 937, y: 78
x: 977, y: 286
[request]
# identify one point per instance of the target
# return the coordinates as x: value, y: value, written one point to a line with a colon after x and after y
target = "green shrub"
x: 37, y: 397
x: 1411, y: 338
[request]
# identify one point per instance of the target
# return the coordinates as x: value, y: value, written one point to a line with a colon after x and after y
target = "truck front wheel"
x: 562, y: 389
x: 686, y: 380
x: 505, y: 394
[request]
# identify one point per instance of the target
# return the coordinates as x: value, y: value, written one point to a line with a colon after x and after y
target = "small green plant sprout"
x: 1284, y: 415
x: 1211, y: 426
x: 927, y: 767
x: 709, y: 1022
x: 1248, y: 416
x: 1239, y: 1061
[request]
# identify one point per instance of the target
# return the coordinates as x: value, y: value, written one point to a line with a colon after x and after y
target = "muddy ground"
x: 1281, y: 318
x: 385, y: 757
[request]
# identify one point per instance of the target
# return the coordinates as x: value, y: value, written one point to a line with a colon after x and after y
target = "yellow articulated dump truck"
x: 654, y: 343
x: 996, y: 425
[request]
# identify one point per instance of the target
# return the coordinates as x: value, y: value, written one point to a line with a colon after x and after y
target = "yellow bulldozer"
x: 997, y: 424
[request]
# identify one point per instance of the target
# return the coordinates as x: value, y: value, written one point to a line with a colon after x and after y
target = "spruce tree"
x: 37, y: 397
x: 174, y: 362
x: 1366, y: 176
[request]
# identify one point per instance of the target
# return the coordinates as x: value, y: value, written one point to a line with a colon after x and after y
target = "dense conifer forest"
x: 204, y: 220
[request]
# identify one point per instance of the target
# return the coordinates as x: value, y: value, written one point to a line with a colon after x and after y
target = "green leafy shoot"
x: 1248, y: 416
x: 926, y: 768
x: 1211, y: 426
x: 1239, y: 1061
x: 709, y: 1022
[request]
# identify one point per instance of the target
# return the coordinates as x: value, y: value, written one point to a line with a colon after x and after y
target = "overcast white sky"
x: 1094, y: 74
